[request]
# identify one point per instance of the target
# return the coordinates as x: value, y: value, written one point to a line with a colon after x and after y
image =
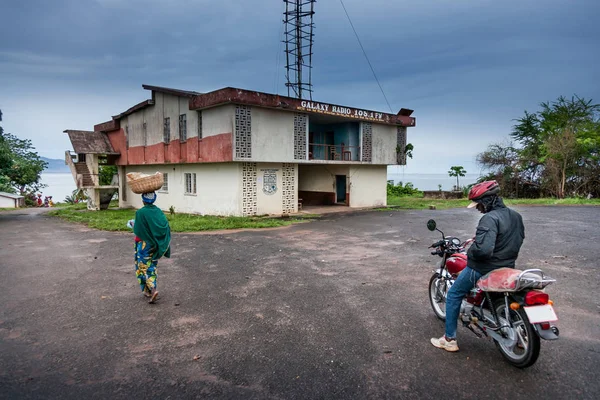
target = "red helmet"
x: 487, y: 188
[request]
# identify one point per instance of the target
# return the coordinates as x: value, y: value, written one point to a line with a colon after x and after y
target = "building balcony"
x: 333, y: 152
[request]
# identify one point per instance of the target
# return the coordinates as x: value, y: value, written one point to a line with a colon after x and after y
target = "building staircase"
x: 82, y: 169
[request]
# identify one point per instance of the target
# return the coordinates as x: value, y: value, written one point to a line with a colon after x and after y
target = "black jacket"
x: 499, y: 237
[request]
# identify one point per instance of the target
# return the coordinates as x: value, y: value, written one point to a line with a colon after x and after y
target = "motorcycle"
x: 507, y: 304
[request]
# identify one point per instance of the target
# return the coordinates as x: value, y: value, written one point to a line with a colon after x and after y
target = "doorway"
x: 340, y: 188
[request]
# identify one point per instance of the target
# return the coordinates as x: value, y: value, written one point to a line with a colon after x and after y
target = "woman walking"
x: 152, y: 241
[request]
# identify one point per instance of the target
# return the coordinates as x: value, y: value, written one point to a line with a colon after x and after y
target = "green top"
x: 152, y: 227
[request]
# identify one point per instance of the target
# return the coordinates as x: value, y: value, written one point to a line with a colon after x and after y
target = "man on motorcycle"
x: 498, y: 239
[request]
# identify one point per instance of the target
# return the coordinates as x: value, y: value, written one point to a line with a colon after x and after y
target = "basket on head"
x: 143, y: 183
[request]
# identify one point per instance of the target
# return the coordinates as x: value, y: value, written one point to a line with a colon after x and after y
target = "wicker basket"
x: 142, y: 183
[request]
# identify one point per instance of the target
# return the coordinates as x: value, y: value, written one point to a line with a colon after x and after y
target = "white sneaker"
x: 442, y: 343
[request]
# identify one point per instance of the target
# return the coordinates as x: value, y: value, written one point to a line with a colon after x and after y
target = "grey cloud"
x: 466, y: 67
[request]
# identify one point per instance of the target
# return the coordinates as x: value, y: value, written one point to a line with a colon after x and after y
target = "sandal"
x: 154, y: 296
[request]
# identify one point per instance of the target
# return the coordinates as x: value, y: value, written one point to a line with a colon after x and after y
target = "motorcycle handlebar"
x: 437, y: 244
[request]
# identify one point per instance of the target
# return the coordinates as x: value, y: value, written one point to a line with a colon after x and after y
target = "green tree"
x: 560, y: 145
x: 106, y: 173
x: 457, y: 171
x: 20, y: 166
x: 502, y: 160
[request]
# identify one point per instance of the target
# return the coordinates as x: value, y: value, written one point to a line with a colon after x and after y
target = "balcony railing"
x: 317, y: 151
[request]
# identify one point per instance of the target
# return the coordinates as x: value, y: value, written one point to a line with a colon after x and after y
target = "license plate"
x: 537, y: 314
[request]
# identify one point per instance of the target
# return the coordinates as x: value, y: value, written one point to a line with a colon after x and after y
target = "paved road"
x: 331, y: 309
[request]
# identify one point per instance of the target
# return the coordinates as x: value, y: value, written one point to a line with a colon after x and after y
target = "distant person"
x: 152, y: 241
x: 498, y: 239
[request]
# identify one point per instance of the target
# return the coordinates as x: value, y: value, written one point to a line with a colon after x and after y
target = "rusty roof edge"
x: 229, y: 95
x: 107, y: 126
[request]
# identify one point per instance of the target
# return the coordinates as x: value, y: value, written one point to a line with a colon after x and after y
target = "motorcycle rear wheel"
x: 527, y: 350
x: 438, y: 290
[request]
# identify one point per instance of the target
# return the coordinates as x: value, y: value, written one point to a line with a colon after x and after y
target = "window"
x: 127, y: 136
x: 190, y: 183
x: 145, y: 133
x: 167, y: 130
x: 199, y: 125
x: 165, y: 186
x: 183, y: 127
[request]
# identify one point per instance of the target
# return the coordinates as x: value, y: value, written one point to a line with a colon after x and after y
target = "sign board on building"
x: 347, y: 112
x: 269, y: 181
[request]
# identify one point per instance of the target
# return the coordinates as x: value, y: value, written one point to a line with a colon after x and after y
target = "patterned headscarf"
x: 149, y: 198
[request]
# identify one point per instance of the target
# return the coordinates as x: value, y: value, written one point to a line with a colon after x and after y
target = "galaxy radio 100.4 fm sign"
x: 347, y: 112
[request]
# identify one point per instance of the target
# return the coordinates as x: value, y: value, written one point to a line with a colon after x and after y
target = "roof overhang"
x: 11, y: 195
x: 231, y: 95
x: 171, y: 91
x: 90, y: 142
x: 137, y: 107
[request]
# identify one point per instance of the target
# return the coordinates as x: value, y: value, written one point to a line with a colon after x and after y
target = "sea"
x: 61, y: 185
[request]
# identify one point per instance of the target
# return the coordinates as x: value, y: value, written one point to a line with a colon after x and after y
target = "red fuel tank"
x: 456, y: 263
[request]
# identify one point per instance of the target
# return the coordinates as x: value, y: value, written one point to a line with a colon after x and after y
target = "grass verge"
x: 116, y: 220
x: 419, y: 203
x: 553, y: 202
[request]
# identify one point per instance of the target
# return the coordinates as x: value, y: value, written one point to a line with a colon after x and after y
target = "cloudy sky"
x: 467, y: 67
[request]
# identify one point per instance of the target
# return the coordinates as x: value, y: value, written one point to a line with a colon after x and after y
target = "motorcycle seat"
x: 499, y: 280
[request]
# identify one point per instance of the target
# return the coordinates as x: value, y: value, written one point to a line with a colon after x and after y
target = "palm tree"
x: 457, y: 171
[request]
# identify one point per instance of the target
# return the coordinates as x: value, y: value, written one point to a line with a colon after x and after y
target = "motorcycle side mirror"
x: 431, y: 225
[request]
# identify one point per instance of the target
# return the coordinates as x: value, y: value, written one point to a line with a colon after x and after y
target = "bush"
x: 400, y: 190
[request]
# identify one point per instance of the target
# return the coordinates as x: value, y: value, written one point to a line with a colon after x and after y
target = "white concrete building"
x: 10, y: 200
x: 238, y: 152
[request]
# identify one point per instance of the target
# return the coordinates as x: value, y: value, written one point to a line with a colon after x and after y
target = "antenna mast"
x: 298, y: 46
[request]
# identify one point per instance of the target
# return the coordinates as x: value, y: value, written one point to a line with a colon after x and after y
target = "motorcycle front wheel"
x: 526, y: 350
x: 438, y: 289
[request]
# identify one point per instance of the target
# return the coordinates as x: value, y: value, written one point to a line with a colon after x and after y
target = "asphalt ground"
x: 332, y: 309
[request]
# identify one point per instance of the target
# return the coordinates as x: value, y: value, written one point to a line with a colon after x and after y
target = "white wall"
x: 319, y: 178
x: 368, y: 185
x: 91, y: 161
x: 218, y: 120
x: 165, y: 105
x: 171, y: 110
x: 272, y: 203
x: 191, y: 116
x: 153, y: 116
x: 7, y: 202
x: 218, y: 188
x: 384, y: 144
x: 272, y: 135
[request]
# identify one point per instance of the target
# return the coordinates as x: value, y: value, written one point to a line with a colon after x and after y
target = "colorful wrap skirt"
x: 145, y: 267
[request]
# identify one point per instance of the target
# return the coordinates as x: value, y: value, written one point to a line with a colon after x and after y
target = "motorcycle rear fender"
x: 546, y: 334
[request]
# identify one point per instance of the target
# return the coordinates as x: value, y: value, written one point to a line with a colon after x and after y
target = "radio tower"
x: 298, y: 46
